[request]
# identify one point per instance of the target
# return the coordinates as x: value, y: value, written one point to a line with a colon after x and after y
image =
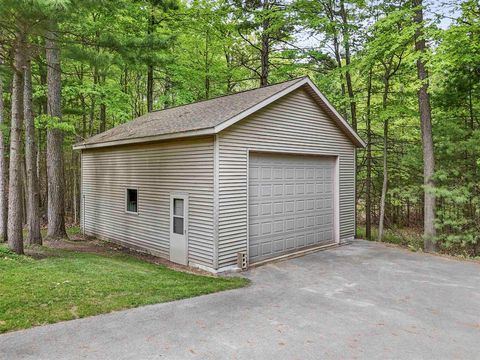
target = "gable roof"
x: 210, y: 117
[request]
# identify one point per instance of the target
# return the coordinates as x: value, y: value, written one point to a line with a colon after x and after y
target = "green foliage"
x: 205, y: 48
x: 456, y: 104
x: 52, y: 122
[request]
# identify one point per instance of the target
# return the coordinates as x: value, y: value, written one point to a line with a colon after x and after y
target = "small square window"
x: 132, y: 200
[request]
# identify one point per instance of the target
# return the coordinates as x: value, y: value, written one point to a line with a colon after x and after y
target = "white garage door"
x: 290, y: 203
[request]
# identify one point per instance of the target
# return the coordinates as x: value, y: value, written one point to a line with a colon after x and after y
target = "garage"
x: 225, y: 182
x: 291, y: 203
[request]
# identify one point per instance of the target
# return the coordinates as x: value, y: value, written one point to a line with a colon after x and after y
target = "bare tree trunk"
x: 264, y: 58
x: 33, y: 192
x: 103, y: 117
x: 331, y: 14
x: 207, y: 65
x: 348, y: 77
x: 265, y: 49
x: 3, y: 173
x: 103, y: 106
x: 15, y: 220
x: 151, y: 28
x: 75, y: 202
x: 42, y: 152
x: 24, y: 193
x: 427, y: 138
x: 150, y: 88
x: 93, y: 102
x: 385, y: 181
x: 385, y: 155
x: 368, y: 200
x: 55, y: 162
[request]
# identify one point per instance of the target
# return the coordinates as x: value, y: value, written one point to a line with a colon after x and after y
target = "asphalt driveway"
x: 364, y: 300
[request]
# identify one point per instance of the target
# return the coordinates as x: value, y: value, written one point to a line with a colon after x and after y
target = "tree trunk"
x: 385, y: 155
x: 265, y: 54
x: 33, y: 193
x: 207, y: 65
x: 93, y: 102
x: 427, y: 138
x: 103, y: 115
x: 3, y: 173
x: 42, y: 148
x: 348, y: 77
x: 331, y: 14
x: 368, y: 200
x: 385, y: 181
x: 55, y: 163
x: 150, y: 88
x: 151, y: 28
x: 15, y: 220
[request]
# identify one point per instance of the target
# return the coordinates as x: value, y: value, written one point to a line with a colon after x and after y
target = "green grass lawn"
x: 68, y: 285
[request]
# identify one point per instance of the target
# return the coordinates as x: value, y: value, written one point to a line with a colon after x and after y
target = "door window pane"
x: 132, y: 200
x: 178, y: 225
x: 178, y: 207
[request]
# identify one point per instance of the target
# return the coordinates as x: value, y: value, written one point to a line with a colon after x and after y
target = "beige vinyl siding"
x: 155, y: 170
x: 294, y: 123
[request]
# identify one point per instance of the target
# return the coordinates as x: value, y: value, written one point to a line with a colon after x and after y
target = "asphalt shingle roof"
x: 196, y: 116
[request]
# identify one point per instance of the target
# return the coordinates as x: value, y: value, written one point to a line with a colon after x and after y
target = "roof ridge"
x: 236, y: 93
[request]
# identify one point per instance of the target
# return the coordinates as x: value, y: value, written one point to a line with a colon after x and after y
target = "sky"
x: 447, y: 10
x: 443, y: 11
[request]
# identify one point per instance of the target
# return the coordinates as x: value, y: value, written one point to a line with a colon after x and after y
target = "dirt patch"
x: 80, y: 243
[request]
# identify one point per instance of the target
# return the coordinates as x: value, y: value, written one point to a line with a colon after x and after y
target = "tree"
x: 153, y: 21
x: 262, y: 24
x: 15, y: 198
x: 3, y: 171
x: 33, y: 193
x: 455, y: 96
x: 55, y: 161
x: 368, y: 190
x: 348, y: 76
x: 121, y: 58
x: 426, y: 130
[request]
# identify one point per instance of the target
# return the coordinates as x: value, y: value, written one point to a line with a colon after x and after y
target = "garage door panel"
x: 290, y: 203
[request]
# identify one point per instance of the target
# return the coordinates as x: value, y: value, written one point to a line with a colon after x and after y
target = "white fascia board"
x: 145, y: 139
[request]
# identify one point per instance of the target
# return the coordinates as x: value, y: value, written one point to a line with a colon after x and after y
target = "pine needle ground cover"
x: 67, y: 285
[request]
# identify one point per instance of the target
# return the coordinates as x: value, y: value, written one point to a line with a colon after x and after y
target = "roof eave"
x: 144, y: 139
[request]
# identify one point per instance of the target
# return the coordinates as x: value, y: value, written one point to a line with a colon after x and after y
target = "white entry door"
x: 179, y: 228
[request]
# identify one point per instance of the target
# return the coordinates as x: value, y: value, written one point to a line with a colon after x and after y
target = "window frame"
x: 185, y: 198
x: 174, y: 216
x: 126, y: 200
